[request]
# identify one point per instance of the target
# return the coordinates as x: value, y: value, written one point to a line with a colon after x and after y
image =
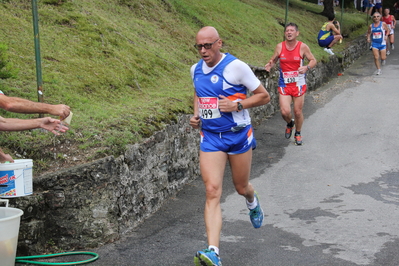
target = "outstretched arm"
x: 48, y: 123
x: 19, y: 105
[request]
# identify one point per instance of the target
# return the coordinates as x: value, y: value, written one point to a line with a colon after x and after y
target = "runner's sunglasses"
x: 205, y: 45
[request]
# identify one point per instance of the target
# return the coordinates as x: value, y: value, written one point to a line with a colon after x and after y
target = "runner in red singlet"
x: 391, y: 23
x: 292, y: 83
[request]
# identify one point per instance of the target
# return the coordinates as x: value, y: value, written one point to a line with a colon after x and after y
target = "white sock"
x: 216, y: 249
x: 252, y: 205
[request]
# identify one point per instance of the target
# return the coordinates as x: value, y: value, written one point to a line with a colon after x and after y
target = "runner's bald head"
x: 208, y: 32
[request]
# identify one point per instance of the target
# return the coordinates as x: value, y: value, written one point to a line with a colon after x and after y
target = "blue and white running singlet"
x: 378, y: 34
x: 208, y: 87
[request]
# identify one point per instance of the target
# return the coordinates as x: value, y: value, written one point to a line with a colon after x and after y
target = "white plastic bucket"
x: 16, y: 178
x: 9, y: 229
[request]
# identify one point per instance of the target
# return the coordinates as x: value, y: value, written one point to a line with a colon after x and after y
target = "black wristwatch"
x: 239, y: 106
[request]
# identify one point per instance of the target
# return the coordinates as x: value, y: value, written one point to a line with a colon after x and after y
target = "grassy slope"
x: 123, y: 66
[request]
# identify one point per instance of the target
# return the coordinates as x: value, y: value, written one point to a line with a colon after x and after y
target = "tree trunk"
x: 328, y: 8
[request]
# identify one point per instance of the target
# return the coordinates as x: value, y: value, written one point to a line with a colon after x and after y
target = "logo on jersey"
x: 214, y: 79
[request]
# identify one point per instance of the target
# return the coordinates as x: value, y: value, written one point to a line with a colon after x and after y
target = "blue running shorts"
x: 327, y: 41
x: 379, y: 46
x: 229, y: 142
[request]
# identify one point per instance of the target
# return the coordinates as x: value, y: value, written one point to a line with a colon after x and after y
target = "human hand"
x: 303, y: 69
x: 195, y: 121
x: 225, y: 105
x: 269, y: 66
x: 5, y: 157
x: 61, y: 110
x: 53, y: 125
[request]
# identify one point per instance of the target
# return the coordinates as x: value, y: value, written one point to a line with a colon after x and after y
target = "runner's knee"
x: 242, y: 190
x: 213, y: 192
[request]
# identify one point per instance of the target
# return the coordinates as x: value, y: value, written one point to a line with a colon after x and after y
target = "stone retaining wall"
x: 95, y: 203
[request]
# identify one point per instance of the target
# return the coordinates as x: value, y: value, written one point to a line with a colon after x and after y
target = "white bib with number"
x: 209, y: 107
x: 291, y: 76
x: 377, y: 35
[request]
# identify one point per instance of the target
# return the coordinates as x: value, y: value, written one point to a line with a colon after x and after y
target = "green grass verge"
x: 123, y: 65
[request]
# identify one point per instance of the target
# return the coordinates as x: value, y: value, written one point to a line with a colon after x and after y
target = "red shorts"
x: 294, y: 91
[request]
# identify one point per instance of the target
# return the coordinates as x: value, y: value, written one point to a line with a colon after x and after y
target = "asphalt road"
x: 332, y: 201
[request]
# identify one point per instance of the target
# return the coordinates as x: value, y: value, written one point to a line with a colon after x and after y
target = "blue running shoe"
x: 256, y: 215
x: 207, y: 257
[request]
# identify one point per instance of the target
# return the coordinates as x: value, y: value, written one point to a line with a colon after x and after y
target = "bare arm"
x: 306, y: 53
x: 19, y: 105
x: 386, y: 29
x: 274, y: 58
x: 332, y: 27
x: 195, y: 120
x: 48, y: 123
x: 260, y: 97
x: 368, y: 34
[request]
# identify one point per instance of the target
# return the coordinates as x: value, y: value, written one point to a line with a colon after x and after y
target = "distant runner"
x: 377, y: 37
x: 292, y: 82
x: 391, y: 23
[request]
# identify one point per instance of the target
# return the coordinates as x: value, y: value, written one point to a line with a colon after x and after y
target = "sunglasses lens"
x: 206, y: 46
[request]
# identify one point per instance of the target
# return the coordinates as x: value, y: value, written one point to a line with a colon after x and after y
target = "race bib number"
x: 291, y: 76
x: 377, y: 35
x: 209, y: 107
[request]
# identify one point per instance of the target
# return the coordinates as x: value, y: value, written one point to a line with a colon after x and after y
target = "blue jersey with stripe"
x: 378, y: 34
x: 208, y: 87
